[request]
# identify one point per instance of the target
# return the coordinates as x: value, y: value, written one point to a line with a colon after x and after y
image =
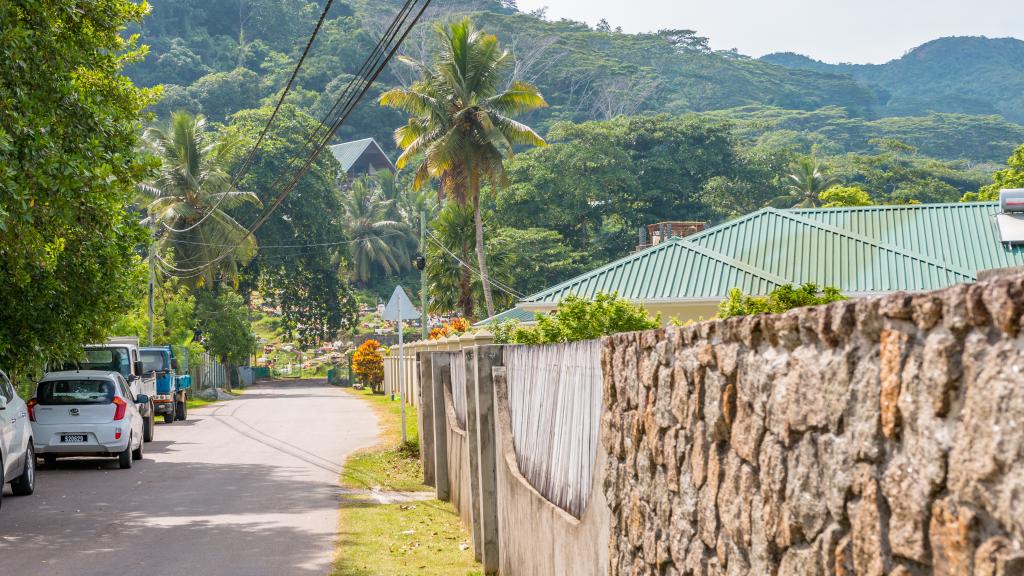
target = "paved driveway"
x: 248, y: 487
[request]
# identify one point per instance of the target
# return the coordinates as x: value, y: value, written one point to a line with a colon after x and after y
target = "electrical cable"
x: 381, y: 59
x: 503, y: 287
x: 266, y: 127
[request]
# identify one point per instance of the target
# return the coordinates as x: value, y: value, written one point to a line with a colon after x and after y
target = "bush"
x: 779, y: 300
x: 368, y: 363
x: 579, y: 319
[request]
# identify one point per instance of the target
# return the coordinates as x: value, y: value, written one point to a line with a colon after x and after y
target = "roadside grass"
x: 392, y: 465
x: 195, y: 402
x: 418, y: 537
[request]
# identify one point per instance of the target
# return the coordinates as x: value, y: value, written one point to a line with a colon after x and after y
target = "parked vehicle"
x: 171, y: 399
x: 87, y: 413
x: 17, y: 456
x: 121, y: 354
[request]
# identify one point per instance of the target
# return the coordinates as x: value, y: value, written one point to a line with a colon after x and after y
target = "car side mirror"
x: 174, y: 363
x: 139, y: 368
x: 3, y: 402
x: 142, y: 399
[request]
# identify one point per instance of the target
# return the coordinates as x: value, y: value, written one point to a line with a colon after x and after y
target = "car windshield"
x: 152, y: 360
x: 57, y: 392
x: 107, y: 359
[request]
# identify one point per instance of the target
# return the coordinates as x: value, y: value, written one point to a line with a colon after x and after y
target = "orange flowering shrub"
x: 368, y: 363
x: 456, y: 327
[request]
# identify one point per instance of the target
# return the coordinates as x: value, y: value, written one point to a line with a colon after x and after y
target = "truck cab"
x: 170, y: 399
x: 121, y: 354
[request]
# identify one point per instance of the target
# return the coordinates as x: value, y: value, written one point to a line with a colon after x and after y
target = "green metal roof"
x: 804, y: 250
x: 859, y: 250
x: 517, y: 314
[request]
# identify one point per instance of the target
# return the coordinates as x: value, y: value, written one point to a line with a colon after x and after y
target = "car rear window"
x: 152, y: 360
x: 108, y: 359
x: 58, y: 392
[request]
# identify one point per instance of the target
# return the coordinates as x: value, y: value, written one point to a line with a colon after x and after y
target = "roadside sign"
x: 400, y: 307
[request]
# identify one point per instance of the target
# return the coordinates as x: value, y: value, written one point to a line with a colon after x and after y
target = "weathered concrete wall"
x: 458, y: 464
x: 876, y: 436
x: 537, y: 537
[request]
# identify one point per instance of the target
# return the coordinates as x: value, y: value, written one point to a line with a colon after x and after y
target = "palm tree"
x: 379, y: 243
x: 187, y: 199
x: 808, y: 180
x: 451, y: 283
x: 460, y: 126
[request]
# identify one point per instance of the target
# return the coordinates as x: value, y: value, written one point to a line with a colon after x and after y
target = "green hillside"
x: 969, y: 75
x: 220, y: 56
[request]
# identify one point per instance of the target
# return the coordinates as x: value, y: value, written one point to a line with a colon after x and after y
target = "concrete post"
x: 487, y: 357
x: 473, y: 434
x: 426, y: 420
x: 440, y: 376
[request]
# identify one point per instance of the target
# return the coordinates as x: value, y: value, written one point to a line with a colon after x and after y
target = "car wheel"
x: 137, y: 453
x: 181, y: 409
x: 50, y: 460
x: 124, y: 459
x: 148, y: 427
x: 25, y: 484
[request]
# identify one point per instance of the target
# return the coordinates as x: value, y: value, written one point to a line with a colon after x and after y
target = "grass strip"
x: 422, y: 537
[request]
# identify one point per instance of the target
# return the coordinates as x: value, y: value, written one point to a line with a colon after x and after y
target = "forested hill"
x: 221, y: 56
x: 971, y: 75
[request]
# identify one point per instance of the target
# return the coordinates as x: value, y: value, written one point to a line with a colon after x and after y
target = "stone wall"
x: 874, y: 436
x: 458, y: 463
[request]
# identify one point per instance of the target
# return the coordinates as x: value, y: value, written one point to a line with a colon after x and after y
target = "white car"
x: 17, y: 461
x: 86, y: 413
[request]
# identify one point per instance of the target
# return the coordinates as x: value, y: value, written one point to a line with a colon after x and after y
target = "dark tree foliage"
x: 302, y: 244
x: 69, y: 126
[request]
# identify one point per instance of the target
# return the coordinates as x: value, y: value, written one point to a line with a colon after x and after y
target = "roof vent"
x: 1010, y: 220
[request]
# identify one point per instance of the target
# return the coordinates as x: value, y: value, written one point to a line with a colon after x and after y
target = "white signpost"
x: 400, y: 308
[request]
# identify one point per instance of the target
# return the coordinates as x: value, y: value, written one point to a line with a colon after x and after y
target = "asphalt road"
x: 244, y: 488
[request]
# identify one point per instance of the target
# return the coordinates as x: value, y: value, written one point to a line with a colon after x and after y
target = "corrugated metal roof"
x: 348, y: 152
x: 858, y: 250
x: 800, y: 249
x: 673, y: 269
x: 517, y: 314
x: 962, y: 234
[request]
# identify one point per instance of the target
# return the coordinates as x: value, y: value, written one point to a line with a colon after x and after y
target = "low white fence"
x: 392, y: 365
x: 555, y: 402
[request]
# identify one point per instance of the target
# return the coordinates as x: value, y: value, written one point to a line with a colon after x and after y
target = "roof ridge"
x: 876, y: 207
x: 735, y: 263
x: 872, y: 241
x: 681, y: 242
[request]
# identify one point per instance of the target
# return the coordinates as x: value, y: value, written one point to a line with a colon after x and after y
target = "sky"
x: 858, y: 31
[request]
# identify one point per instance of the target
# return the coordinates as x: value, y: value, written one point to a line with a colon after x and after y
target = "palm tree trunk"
x: 481, y: 252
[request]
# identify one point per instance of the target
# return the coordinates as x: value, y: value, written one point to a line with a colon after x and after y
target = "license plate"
x: 72, y: 438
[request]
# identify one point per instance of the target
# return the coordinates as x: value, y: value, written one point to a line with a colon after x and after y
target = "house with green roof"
x: 861, y: 250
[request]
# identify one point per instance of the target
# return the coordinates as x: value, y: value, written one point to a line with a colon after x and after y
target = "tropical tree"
x: 805, y: 185
x: 1011, y: 177
x: 188, y: 199
x: 379, y: 243
x: 460, y: 128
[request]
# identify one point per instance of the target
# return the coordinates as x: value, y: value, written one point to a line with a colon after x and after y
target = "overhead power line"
x: 343, y: 107
x: 499, y: 285
x: 244, y: 169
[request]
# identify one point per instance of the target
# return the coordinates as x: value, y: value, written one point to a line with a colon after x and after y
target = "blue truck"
x: 171, y: 388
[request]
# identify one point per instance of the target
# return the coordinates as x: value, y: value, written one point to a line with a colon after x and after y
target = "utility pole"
x: 423, y: 276
x: 152, y: 281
